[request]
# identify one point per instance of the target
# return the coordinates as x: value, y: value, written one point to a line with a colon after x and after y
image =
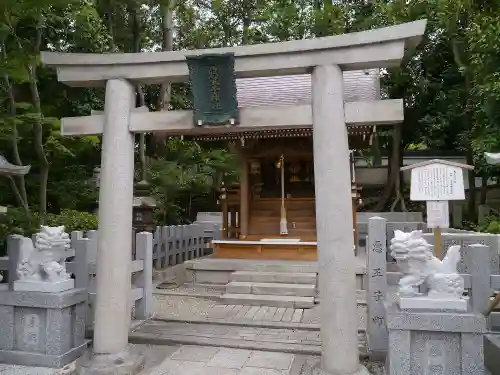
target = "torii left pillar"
x: 113, y: 299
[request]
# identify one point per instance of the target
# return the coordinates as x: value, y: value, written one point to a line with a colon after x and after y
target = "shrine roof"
x: 295, y: 90
x: 363, y: 131
x: 437, y: 161
x: 359, y: 85
x: 8, y: 169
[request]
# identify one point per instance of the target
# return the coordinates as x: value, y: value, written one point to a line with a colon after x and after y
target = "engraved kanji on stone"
x: 377, y: 272
x: 378, y: 295
x: 378, y: 320
x: 377, y: 247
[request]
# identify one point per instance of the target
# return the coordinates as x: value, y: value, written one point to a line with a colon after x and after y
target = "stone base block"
x: 42, y: 329
x: 428, y: 303
x: 361, y: 371
x: 112, y: 364
x: 492, y: 353
x: 43, y: 286
x: 41, y: 359
x: 430, y: 342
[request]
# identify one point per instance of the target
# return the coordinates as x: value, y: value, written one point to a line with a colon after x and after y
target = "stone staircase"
x: 301, y: 217
x: 274, y: 289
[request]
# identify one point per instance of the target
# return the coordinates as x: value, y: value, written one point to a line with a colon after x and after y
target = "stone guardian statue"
x: 419, y: 266
x: 42, y: 265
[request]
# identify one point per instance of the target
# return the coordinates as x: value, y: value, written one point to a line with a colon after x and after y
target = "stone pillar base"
x: 124, y: 363
x: 434, y: 342
x: 42, y: 329
x: 361, y: 371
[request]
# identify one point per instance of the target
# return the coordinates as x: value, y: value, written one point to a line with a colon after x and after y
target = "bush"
x: 491, y: 225
x: 15, y: 221
x: 73, y: 220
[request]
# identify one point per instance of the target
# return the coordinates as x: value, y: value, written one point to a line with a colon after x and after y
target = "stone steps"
x: 275, y: 277
x: 275, y: 289
x: 296, y: 302
x: 269, y: 339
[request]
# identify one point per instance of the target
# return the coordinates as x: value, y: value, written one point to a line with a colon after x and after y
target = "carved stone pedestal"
x: 447, y: 343
x: 43, y: 287
x: 433, y: 304
x: 42, y: 329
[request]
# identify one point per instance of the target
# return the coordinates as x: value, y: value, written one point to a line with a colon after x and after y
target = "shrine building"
x: 270, y: 213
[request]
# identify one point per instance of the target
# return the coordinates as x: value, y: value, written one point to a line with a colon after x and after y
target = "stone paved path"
x: 202, y: 360
x: 153, y: 356
x: 198, y: 360
x: 301, y: 341
x: 185, y: 308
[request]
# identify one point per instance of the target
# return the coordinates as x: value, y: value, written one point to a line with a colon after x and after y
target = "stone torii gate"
x: 325, y: 58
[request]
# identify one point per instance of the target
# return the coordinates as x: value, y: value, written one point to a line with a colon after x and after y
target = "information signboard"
x: 438, y: 214
x: 437, y: 182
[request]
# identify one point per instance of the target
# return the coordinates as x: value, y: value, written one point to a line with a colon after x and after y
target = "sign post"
x: 438, y: 216
x: 437, y: 182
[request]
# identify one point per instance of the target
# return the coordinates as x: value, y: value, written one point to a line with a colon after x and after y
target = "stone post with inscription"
x: 377, y: 287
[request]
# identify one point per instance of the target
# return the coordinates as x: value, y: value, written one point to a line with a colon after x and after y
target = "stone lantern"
x: 143, y: 207
x: 8, y: 169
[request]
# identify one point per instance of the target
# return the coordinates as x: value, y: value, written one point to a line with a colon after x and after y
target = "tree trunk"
x: 164, y: 97
x: 38, y: 128
x: 136, y: 32
x: 484, y: 189
x: 459, y: 58
x: 19, y: 191
x: 167, y: 45
x: 246, y: 18
x: 471, y: 202
x: 109, y: 25
x: 393, y: 172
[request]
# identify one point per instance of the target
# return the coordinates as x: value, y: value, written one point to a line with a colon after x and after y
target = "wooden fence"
x: 168, y: 246
x: 175, y: 244
x: 479, y: 268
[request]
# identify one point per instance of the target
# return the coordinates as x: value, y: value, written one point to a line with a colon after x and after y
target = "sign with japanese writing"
x: 437, y: 182
x: 213, y: 85
x: 377, y: 283
x: 31, y: 331
x: 438, y: 214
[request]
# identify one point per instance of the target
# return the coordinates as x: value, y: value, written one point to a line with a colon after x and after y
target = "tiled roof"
x: 360, y: 85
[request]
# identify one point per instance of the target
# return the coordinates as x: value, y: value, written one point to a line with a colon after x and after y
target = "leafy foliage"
x: 451, y: 88
x: 17, y: 222
x: 186, y: 175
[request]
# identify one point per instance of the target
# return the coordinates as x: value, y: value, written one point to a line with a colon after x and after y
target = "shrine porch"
x: 268, y: 248
x: 217, y: 271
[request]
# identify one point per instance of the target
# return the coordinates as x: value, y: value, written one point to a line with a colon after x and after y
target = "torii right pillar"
x: 334, y: 217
